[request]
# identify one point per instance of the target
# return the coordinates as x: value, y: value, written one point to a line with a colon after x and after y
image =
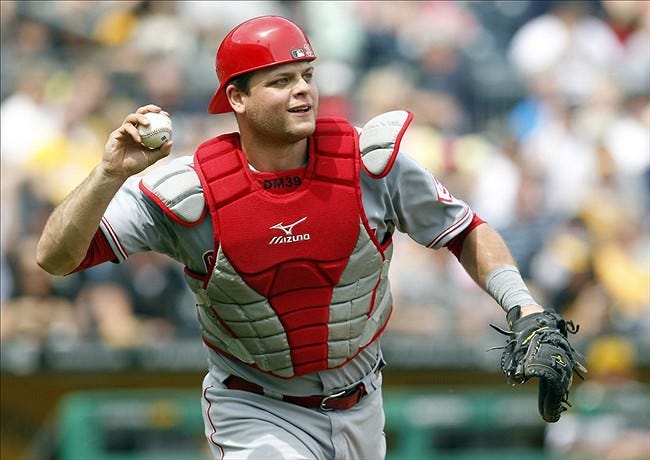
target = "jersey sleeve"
x: 413, y: 201
x: 133, y: 223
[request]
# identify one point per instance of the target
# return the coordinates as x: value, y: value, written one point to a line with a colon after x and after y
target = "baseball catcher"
x: 285, y: 229
x: 538, y: 346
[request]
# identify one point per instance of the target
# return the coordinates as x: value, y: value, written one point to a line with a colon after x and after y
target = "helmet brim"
x: 219, y: 102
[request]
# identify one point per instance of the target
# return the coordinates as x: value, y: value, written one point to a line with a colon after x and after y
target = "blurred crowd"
x: 535, y: 113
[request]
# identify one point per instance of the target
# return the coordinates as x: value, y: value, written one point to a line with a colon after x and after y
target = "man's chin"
x: 303, y: 130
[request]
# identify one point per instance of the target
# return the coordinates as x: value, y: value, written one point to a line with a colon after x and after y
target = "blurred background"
x: 536, y: 113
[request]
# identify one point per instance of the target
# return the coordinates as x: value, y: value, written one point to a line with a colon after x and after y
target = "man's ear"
x: 236, y: 98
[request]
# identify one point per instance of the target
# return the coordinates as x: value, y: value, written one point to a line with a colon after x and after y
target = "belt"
x: 341, y: 400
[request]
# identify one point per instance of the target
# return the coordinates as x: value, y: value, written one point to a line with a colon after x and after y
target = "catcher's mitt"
x: 539, y: 347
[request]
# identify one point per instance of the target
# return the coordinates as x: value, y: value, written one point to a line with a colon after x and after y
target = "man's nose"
x: 301, y: 86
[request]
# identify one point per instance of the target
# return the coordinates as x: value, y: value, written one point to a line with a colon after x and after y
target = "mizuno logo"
x: 288, y: 236
x: 288, y: 229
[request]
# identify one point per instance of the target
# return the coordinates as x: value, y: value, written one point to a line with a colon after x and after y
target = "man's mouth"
x: 301, y: 109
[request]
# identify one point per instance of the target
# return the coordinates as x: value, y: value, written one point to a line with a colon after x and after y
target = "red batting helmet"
x: 255, y: 44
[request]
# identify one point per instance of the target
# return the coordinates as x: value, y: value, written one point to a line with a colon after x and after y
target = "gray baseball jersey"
x: 409, y: 200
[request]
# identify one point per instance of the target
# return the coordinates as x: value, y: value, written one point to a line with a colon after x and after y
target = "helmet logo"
x: 305, y: 51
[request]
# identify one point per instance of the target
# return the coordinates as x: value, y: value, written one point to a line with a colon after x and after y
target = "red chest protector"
x: 290, y: 248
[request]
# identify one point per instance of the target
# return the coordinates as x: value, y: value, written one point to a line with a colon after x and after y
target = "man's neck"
x: 272, y: 158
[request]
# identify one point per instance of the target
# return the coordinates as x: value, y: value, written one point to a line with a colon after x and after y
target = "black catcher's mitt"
x: 539, y: 347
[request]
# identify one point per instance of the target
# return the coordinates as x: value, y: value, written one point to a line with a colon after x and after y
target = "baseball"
x: 157, y: 132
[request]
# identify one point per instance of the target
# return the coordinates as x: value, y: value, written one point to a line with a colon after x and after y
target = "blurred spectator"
x: 628, y: 143
x: 566, y: 161
x: 329, y: 24
x: 562, y: 265
x: 141, y: 301
x: 537, y: 107
x: 498, y: 173
x: 383, y: 89
x: 132, y: 304
x: 527, y: 228
x: 27, y: 120
x: 6, y: 278
x: 162, y: 45
x: 35, y: 314
x: 630, y: 22
x: 417, y: 280
x: 568, y: 45
x: 621, y: 262
x: 72, y: 151
x: 596, y: 269
x: 107, y: 315
x: 436, y: 37
x: 159, y: 295
x: 382, y: 23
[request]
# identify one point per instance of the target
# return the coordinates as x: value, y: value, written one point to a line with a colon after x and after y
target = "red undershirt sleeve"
x: 456, y: 244
x: 98, y: 252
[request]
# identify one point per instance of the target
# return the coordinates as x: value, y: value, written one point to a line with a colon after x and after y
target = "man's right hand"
x: 124, y: 155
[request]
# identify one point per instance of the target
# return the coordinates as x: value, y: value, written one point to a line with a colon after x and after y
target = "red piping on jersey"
x: 393, y: 156
x: 113, y: 235
x: 451, y: 229
x: 193, y: 274
x: 212, y: 425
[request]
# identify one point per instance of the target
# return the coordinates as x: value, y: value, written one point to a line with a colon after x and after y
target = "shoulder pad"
x: 176, y: 188
x: 380, y: 139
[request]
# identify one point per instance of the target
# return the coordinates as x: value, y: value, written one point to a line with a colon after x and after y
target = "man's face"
x: 282, y: 102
